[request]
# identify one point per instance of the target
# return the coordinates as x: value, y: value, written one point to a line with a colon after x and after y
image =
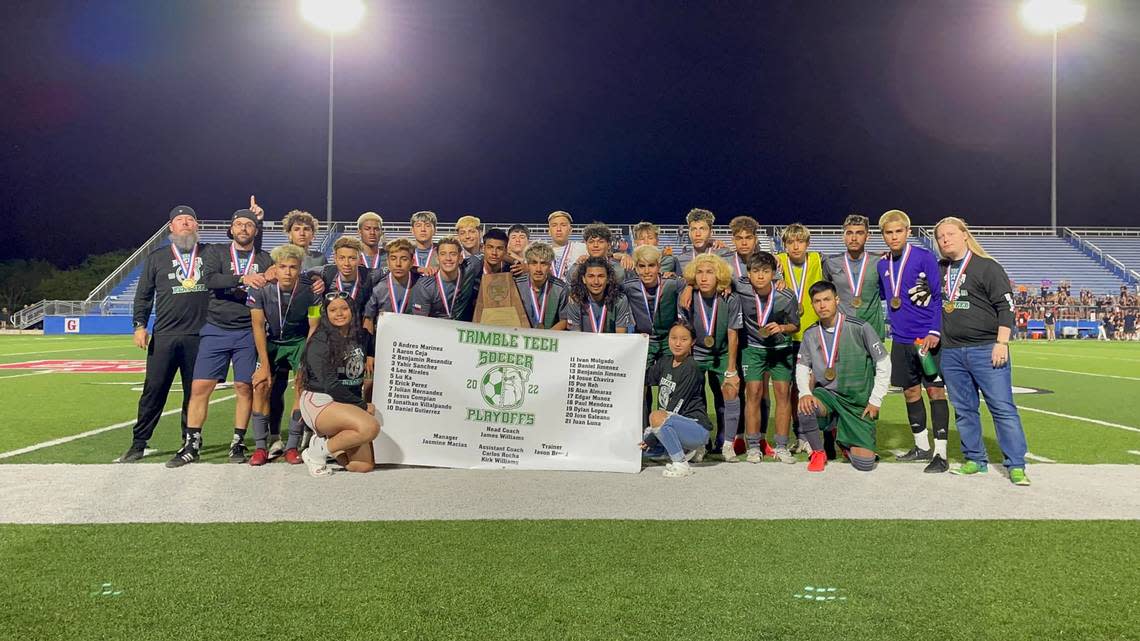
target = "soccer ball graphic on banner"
x: 503, y: 387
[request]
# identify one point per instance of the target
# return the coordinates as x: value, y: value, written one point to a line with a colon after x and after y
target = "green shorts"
x: 778, y: 362
x: 854, y: 430
x: 657, y: 347
x: 716, y: 365
x: 285, y: 354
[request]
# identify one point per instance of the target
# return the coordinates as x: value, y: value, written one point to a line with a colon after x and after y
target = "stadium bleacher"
x: 1031, y: 260
x: 1126, y: 249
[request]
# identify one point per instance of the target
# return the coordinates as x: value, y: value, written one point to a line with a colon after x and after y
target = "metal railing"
x: 122, y: 271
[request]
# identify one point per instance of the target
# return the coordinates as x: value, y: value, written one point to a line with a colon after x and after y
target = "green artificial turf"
x: 50, y: 406
x: 589, y: 580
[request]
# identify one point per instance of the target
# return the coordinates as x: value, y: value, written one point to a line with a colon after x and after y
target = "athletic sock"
x: 260, y: 430
x: 781, y: 441
x: 731, y: 419
x: 940, y: 419
x: 753, y: 441
x: 296, y: 430
x: 239, y: 436
x: 916, y: 413
x: 193, y: 438
x: 940, y: 447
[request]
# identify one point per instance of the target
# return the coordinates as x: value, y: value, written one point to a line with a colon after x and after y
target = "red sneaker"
x: 817, y: 461
x: 260, y: 457
x: 739, y: 446
x: 767, y: 449
x: 293, y: 457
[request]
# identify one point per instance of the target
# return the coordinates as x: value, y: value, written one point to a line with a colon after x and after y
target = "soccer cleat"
x: 238, y: 452
x: 260, y: 457
x: 185, y: 455
x: 276, y: 449
x: 937, y: 465
x: 697, y: 455
x: 677, y: 470
x: 784, y: 455
x: 916, y: 454
x: 970, y: 468
x: 800, y: 445
x: 132, y: 455
x: 755, y: 455
x: 316, y: 457
x: 817, y: 461
x: 1017, y: 476
x: 293, y: 457
x: 739, y: 445
x: 730, y: 455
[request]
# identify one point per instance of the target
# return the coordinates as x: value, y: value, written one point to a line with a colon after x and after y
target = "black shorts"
x: 906, y: 368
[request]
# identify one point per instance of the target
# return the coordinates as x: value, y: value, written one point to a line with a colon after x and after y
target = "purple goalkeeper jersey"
x: 910, y: 321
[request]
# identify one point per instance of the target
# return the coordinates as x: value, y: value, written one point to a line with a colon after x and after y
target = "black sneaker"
x: 185, y: 455
x: 132, y: 455
x: 237, y: 453
x: 916, y: 454
x: 937, y: 465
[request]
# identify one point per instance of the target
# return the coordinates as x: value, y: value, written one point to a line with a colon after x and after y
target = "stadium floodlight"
x: 1052, y: 16
x: 333, y: 16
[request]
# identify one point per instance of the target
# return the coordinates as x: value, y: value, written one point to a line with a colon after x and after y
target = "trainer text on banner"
x: 453, y: 394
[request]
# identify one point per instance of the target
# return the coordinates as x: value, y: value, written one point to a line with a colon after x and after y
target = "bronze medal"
x: 896, y: 302
x: 857, y: 302
x: 709, y: 341
x: 764, y: 333
x: 189, y: 283
x: 829, y: 373
x: 948, y: 307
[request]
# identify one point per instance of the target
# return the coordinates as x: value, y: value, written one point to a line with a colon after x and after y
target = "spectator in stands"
x: 1101, y: 327
x: 1110, y: 327
x: 170, y: 284
x: 370, y: 228
x: 1023, y: 325
x: 1050, y: 324
x: 1130, y: 325
x: 976, y: 320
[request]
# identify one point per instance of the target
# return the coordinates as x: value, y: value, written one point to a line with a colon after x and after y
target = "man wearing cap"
x: 566, y: 251
x: 229, y: 271
x: 170, y: 283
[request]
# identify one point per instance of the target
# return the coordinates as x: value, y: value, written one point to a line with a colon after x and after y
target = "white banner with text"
x: 452, y: 394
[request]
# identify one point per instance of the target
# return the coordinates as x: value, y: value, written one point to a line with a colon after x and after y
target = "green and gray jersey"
x: 863, y: 368
x: 841, y: 271
x: 785, y: 310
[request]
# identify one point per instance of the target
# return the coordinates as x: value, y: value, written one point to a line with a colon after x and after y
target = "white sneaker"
x: 800, y: 446
x: 696, y: 455
x: 677, y: 470
x: 316, y: 457
x: 729, y: 452
x: 276, y: 449
x: 784, y: 455
x: 755, y: 455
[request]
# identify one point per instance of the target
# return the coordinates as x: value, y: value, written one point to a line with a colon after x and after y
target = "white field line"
x: 73, y: 349
x: 1136, y: 452
x: 1039, y: 459
x: 1069, y: 371
x: 1079, y: 356
x: 48, y: 371
x: 100, y: 430
x: 1076, y: 418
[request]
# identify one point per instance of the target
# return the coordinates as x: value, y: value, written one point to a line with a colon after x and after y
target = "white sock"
x: 921, y: 441
x: 940, y: 448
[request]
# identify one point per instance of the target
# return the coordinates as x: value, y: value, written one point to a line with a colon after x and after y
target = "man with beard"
x: 229, y: 271
x: 370, y: 228
x: 170, y: 283
x: 855, y: 276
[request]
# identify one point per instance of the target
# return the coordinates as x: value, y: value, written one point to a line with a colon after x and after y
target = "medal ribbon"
x: 829, y: 355
x: 897, y: 285
x: 240, y: 273
x: 656, y: 299
x: 185, y: 268
x: 798, y: 283
x: 402, y: 305
x: 739, y: 267
x: 561, y: 269
x: 447, y: 307
x: 952, y: 290
x: 597, y: 323
x: 709, y: 321
x: 416, y: 257
x: 375, y: 264
x: 765, y: 311
x: 856, y: 284
x: 539, y: 310
x: 280, y: 314
x: 340, y: 286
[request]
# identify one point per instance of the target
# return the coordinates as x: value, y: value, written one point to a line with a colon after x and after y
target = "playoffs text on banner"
x: 454, y: 394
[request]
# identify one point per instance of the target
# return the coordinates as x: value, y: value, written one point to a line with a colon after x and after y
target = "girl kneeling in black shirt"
x: 332, y: 375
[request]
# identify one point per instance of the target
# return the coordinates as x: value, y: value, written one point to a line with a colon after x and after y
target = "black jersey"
x: 171, y: 284
x: 228, y: 308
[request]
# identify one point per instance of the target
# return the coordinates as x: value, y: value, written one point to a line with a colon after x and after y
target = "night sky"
x: 113, y: 112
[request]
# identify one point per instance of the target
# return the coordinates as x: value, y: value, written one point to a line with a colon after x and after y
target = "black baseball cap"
x: 183, y: 210
x: 244, y: 213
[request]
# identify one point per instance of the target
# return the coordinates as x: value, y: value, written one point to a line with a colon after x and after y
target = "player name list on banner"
x: 454, y: 394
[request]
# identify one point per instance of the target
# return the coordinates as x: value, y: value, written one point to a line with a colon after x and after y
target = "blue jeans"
x: 676, y: 435
x: 967, y: 371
